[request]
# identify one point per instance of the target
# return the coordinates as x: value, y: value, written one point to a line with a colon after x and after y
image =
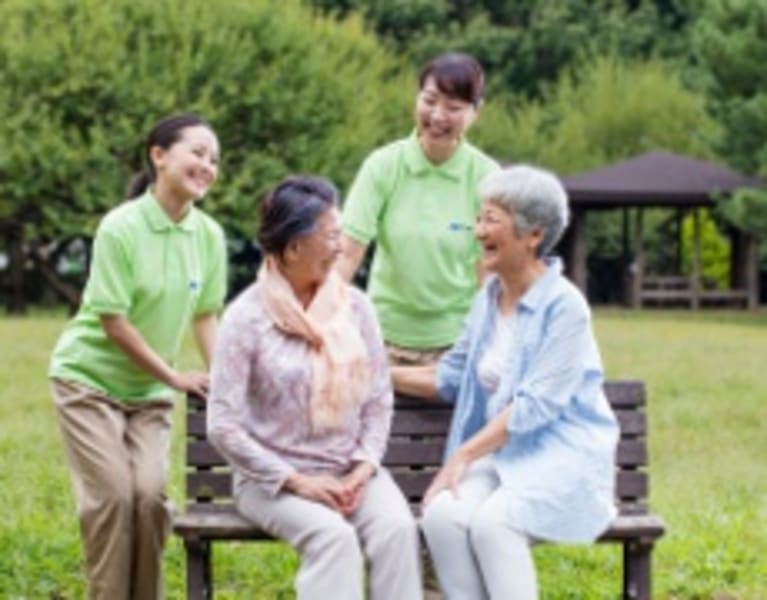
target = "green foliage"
x: 706, y: 393
x: 747, y: 210
x: 731, y: 43
x: 609, y: 109
x: 526, y: 43
x: 83, y: 80
x: 714, y: 250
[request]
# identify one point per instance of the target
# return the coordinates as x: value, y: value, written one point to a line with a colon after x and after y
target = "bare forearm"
x: 129, y: 340
x: 205, y: 329
x: 489, y: 438
x: 351, y: 257
x: 418, y: 381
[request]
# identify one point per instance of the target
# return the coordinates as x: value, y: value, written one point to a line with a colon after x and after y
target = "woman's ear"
x: 535, y: 241
x: 157, y: 156
x: 291, y: 252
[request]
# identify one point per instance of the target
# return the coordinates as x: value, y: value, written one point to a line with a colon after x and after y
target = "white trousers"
x: 476, y: 553
x: 334, y: 548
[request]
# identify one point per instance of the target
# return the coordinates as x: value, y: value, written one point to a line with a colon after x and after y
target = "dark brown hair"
x: 164, y: 134
x: 457, y: 75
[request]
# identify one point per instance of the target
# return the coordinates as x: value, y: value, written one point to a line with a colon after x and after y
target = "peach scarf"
x: 340, y: 363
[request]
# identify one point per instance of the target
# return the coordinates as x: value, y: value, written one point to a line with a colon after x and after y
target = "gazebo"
x: 661, y: 180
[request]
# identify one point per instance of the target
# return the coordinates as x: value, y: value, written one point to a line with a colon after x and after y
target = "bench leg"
x: 637, y: 561
x: 199, y: 580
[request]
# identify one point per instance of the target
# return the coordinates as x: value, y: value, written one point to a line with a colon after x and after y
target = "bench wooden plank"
x: 405, y: 451
x: 218, y: 484
x: 227, y: 523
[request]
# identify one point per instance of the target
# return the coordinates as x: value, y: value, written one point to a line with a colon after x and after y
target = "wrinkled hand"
x: 194, y: 382
x: 448, y: 477
x: 354, y: 486
x: 326, y: 489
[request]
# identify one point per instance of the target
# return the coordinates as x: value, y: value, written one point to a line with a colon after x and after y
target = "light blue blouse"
x: 557, y: 467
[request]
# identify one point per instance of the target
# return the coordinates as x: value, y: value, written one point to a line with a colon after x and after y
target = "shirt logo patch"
x: 456, y: 226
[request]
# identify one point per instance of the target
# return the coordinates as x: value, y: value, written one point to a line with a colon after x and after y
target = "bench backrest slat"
x: 417, y: 443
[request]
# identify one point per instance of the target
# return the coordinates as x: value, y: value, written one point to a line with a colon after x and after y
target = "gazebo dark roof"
x: 655, y: 179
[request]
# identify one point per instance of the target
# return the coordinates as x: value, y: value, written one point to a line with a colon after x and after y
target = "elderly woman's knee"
x: 439, y: 515
x: 337, y: 536
x: 396, y: 530
x: 485, y: 527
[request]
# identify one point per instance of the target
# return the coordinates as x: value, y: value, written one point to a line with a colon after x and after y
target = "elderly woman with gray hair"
x: 529, y: 455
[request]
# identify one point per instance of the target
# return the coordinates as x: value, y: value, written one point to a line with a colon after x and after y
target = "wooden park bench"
x: 413, y: 456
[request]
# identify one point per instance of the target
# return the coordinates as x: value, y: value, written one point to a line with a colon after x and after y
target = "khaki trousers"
x: 333, y: 548
x: 118, y: 457
x: 400, y: 356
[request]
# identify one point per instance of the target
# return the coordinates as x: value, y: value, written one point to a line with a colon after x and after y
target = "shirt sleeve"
x: 214, y: 283
x: 566, y: 356
x: 376, y: 412
x: 365, y: 201
x: 236, y: 348
x: 110, y: 281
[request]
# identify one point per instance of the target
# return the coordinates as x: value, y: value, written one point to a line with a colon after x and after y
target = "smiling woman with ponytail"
x: 159, y: 263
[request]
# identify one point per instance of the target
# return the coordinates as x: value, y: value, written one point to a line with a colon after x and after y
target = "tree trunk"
x: 15, y: 242
x: 69, y: 293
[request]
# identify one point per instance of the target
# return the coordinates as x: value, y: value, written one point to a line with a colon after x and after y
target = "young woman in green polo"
x: 417, y: 197
x: 158, y: 264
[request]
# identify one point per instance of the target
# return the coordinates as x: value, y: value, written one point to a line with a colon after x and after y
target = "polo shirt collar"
x: 415, y: 159
x: 158, y: 219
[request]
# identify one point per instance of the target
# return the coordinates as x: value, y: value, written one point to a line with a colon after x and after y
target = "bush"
x: 82, y: 81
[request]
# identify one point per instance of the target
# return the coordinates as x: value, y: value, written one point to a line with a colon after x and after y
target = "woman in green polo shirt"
x: 158, y: 264
x: 417, y: 197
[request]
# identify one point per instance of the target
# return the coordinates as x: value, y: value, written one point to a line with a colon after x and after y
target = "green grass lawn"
x: 707, y: 382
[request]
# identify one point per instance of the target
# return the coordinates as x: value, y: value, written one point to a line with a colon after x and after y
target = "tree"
x: 524, y: 44
x: 731, y: 44
x: 81, y: 82
x: 607, y: 109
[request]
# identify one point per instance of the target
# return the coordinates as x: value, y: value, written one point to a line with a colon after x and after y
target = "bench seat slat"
x: 226, y: 523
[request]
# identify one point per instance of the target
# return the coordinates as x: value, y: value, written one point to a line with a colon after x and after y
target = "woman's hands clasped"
x: 342, y: 494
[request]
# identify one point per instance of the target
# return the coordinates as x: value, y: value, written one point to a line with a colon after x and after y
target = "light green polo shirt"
x: 423, y: 276
x: 157, y: 273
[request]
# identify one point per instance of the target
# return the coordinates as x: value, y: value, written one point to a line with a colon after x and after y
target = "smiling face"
x: 313, y: 255
x: 503, y: 248
x: 441, y: 120
x: 188, y: 167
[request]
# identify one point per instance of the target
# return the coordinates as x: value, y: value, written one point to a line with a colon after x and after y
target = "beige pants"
x: 333, y: 548
x: 407, y: 357
x: 118, y: 456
